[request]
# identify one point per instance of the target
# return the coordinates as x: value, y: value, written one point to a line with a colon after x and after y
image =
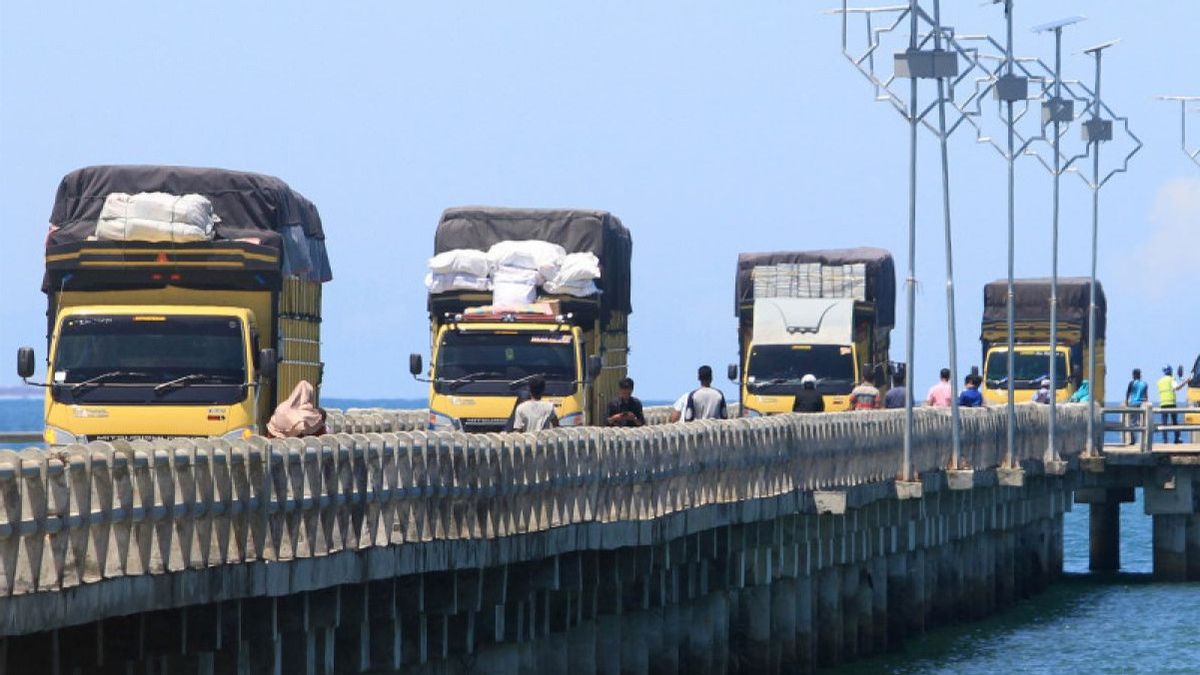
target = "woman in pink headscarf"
x: 298, y: 415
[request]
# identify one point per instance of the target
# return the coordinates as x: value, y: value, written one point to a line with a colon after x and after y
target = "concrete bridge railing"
x: 382, y: 420
x: 131, y: 520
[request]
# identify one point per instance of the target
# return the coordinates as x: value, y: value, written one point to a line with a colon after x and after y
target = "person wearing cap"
x: 1043, y: 394
x: 808, y: 399
x: 1167, y: 386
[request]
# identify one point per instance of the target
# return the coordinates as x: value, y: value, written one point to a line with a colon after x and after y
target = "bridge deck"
x: 1161, y: 453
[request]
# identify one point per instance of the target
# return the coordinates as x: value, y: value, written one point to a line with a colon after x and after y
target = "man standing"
x: 865, y: 396
x: 1167, y: 386
x: 535, y: 414
x: 897, y: 394
x: 939, y: 394
x: 1136, y: 395
x: 970, y: 397
x: 1043, y: 394
x: 707, y: 402
x: 808, y: 399
x: 625, y: 410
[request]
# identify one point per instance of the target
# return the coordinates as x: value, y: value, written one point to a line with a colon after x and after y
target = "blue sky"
x: 709, y: 127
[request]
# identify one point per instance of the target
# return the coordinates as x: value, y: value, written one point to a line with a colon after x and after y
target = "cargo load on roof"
x: 863, y: 273
x: 250, y: 207
x: 1032, y: 302
x: 575, y: 230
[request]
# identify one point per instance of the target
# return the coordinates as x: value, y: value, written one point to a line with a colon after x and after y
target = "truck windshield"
x: 124, y: 358
x: 486, y: 363
x: 777, y: 369
x: 1030, y: 369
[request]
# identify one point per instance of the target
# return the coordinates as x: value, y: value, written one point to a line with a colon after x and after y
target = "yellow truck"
x: 825, y: 313
x: 1032, y: 338
x: 484, y: 354
x: 150, y: 339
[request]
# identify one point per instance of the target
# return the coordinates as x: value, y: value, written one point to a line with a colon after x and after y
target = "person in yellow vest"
x: 1167, y: 386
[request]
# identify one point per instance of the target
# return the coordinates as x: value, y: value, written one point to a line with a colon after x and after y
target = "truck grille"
x: 482, y: 425
x: 137, y: 437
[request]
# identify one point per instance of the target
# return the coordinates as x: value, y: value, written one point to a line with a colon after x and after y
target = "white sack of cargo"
x: 442, y: 283
x: 579, y: 289
x: 155, y: 216
x: 467, y: 261
x: 576, y: 275
x: 583, y: 266
x: 531, y: 254
x: 514, y: 285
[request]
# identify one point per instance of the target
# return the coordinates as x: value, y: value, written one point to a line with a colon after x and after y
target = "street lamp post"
x: 1055, y: 111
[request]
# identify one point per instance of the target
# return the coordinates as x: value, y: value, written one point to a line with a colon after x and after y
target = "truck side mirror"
x: 595, y: 364
x: 731, y: 371
x: 25, y: 364
x: 415, y: 365
x: 267, y: 363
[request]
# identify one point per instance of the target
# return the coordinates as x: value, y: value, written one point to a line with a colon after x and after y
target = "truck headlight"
x: 572, y: 420
x: 750, y: 412
x: 239, y: 434
x: 440, y: 422
x: 58, y: 436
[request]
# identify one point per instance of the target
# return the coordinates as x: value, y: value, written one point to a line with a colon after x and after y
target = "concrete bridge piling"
x: 765, y: 545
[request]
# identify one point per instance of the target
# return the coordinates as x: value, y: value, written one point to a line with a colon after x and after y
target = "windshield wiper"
x: 182, y: 382
x: 522, y: 380
x: 92, y: 381
x: 469, y: 377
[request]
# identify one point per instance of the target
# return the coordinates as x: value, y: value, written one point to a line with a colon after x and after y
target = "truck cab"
x: 148, y: 336
x: 1031, y: 332
x: 1031, y: 366
x: 794, y: 337
x: 152, y: 371
x: 483, y: 359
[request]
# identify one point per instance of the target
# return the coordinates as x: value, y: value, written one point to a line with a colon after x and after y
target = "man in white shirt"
x: 535, y: 414
x: 704, y: 403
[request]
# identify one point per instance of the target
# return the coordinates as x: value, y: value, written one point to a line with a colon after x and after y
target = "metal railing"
x: 1139, y: 425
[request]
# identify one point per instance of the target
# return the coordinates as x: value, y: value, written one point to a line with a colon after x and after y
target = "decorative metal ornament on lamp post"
x: 917, y: 62
x: 1193, y: 155
x: 1097, y: 130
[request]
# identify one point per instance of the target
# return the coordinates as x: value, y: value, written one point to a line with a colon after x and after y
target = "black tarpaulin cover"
x: 576, y: 230
x: 1032, y: 301
x: 250, y: 206
x: 880, y: 271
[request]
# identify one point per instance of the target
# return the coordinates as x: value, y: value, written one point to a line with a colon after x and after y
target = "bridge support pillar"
x: 829, y: 617
x: 1170, y: 546
x: 1104, y: 535
x: 1192, y: 543
x: 850, y: 612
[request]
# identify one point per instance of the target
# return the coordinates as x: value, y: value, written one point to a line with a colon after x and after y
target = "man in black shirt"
x: 808, y: 399
x: 626, y: 409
